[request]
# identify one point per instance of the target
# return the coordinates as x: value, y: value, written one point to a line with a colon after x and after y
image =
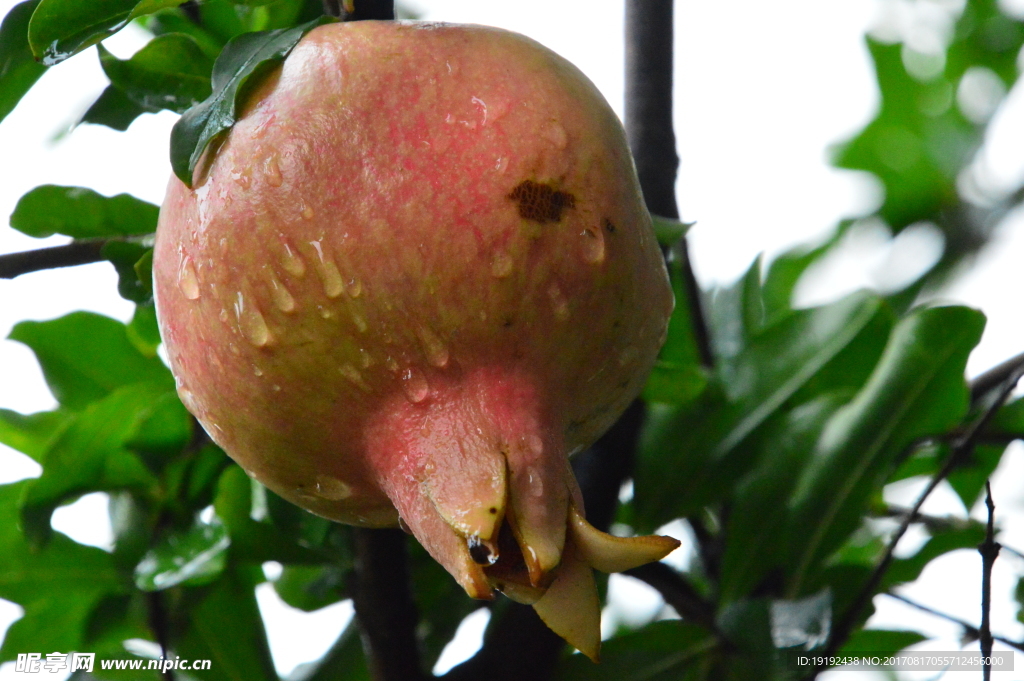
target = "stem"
x: 75, y: 253
x: 649, y: 38
x: 989, y: 551
x: 384, y: 605
x: 158, y: 624
x: 677, y: 592
x: 970, y: 631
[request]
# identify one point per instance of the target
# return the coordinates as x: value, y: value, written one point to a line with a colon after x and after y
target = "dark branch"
x: 971, y: 632
x: 994, y: 377
x: 159, y: 626
x: 69, y: 255
x: 989, y: 550
x: 649, y: 129
x: 961, y: 450
x: 384, y: 605
x: 359, y: 10
x: 518, y: 646
x: 677, y: 592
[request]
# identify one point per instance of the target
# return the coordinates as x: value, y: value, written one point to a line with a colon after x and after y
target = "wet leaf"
x: 193, y: 557
x: 82, y: 213
x: 171, y: 72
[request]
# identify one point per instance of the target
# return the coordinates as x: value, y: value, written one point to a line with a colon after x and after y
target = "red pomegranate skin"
x: 414, y: 278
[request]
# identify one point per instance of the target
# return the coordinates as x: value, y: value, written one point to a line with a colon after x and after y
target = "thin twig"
x: 157, y: 613
x: 993, y: 378
x: 75, y: 253
x: 677, y: 592
x: 963, y: 448
x: 989, y: 550
x: 970, y: 631
x: 384, y: 605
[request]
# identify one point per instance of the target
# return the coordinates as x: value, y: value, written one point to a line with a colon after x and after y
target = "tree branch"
x: 677, y: 592
x: 994, y: 377
x: 989, y: 550
x: 384, y: 605
x: 359, y: 10
x: 962, y: 449
x: 970, y: 631
x: 157, y: 614
x: 650, y: 132
x: 75, y: 253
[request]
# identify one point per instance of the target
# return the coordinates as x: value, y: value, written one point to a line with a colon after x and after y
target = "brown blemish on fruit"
x: 541, y: 202
x: 609, y: 226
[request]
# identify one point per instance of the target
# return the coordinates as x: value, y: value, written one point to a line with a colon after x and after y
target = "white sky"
x: 762, y: 91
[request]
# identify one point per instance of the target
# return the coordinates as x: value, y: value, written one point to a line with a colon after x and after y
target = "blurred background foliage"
x: 774, y: 455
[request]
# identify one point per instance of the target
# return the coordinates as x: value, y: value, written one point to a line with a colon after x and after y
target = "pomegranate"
x: 416, y: 276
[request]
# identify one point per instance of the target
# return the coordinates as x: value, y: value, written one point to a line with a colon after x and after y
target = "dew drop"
x: 501, y: 264
x: 414, y: 385
x: 188, y: 280
x: 276, y: 388
x: 272, y: 171
x: 282, y: 298
x: 306, y: 212
x: 360, y: 322
x: 187, y: 398
x: 223, y: 316
x: 433, y: 347
x: 628, y: 355
x: 329, y: 274
x: 365, y: 358
x: 324, y: 312
x: 391, y: 364
x: 559, y: 304
x: 293, y: 262
x: 353, y: 375
x: 501, y: 164
x: 593, y: 246
x: 331, y: 488
x: 256, y: 370
x: 555, y: 133
x: 354, y: 288
x: 534, y: 482
x: 251, y: 322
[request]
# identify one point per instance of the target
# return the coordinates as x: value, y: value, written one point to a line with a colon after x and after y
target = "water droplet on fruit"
x: 256, y: 370
x: 391, y: 364
x: 293, y: 262
x: 433, y: 347
x: 628, y: 355
x: 306, y: 212
x: 501, y: 164
x: 555, y: 133
x: 331, y: 488
x: 481, y: 107
x: 559, y: 304
x: 352, y: 374
x: 534, y: 482
x: 534, y: 444
x: 188, y: 280
x: 329, y: 274
x: 501, y: 264
x: 415, y: 385
x: 223, y: 316
x: 354, y: 288
x: 276, y: 388
x: 272, y: 171
x: 282, y: 298
x: 365, y: 358
x: 593, y: 246
x: 360, y: 322
x: 187, y: 398
x: 324, y: 312
x: 251, y: 322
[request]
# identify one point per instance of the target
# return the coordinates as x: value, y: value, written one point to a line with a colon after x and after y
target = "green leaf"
x: 758, y: 512
x: 224, y: 626
x: 82, y: 213
x: 661, y: 651
x: 89, y: 455
x: 171, y: 72
x: 143, y: 331
x: 968, y: 479
x: 32, y: 434
x: 57, y: 585
x: 18, y: 69
x: 163, y: 429
x: 343, y: 662
x: 194, y: 557
x: 917, y: 389
x: 880, y: 642
x: 785, y: 271
x: 113, y: 109
x: 441, y: 602
x: 311, y: 587
x: 84, y: 356
x: 124, y: 255
x: 669, y: 231
x: 244, y: 61
x: 61, y: 28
